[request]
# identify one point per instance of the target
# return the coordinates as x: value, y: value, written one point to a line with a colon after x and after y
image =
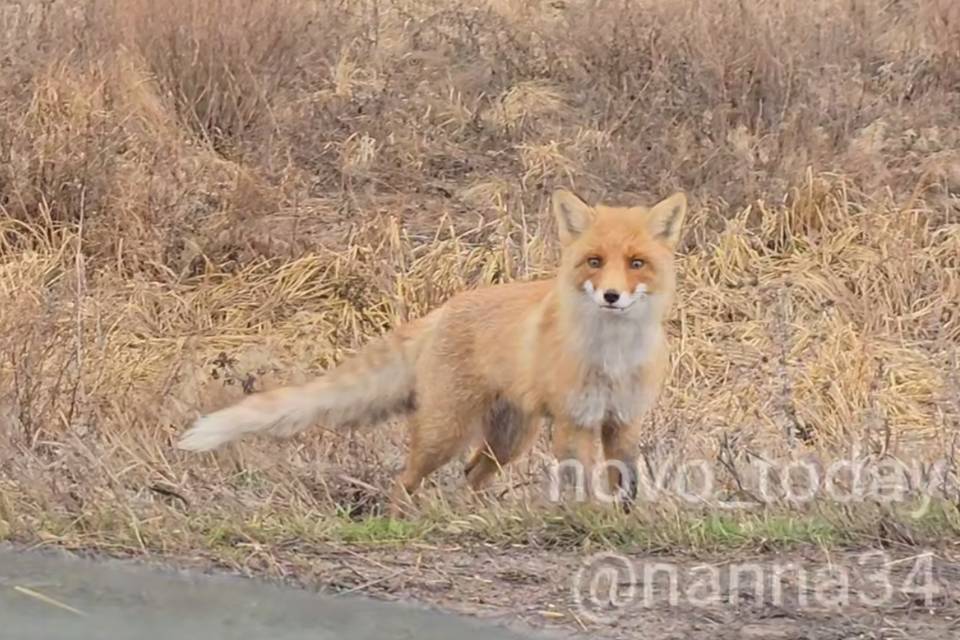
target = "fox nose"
x: 611, y: 296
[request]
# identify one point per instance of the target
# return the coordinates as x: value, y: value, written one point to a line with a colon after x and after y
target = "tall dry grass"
x: 200, y: 199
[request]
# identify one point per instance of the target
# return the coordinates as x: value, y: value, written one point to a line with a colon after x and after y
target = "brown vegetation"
x: 199, y: 199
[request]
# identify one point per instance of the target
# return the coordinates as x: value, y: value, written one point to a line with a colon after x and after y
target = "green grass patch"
x: 573, y: 527
x: 379, y: 530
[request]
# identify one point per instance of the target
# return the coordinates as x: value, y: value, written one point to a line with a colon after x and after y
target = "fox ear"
x: 666, y: 218
x: 573, y: 215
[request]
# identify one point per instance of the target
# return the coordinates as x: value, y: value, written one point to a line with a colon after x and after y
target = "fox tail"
x: 374, y: 384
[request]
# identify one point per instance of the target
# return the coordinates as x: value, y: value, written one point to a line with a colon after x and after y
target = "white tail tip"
x: 207, y: 433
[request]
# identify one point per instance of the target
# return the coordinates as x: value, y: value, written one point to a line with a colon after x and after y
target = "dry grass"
x: 205, y: 198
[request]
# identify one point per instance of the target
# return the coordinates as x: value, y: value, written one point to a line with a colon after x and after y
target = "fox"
x: 585, y: 351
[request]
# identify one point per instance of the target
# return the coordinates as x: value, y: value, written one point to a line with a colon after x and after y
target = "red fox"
x: 586, y: 350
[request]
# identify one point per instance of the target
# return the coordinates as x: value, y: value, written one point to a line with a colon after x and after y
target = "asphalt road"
x: 57, y: 597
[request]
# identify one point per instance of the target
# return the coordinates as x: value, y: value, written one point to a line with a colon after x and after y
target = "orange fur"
x: 586, y: 349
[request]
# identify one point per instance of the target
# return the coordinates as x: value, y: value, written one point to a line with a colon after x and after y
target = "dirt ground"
x: 867, y: 594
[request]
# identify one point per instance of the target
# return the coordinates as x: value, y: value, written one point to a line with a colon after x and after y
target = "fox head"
x: 619, y: 259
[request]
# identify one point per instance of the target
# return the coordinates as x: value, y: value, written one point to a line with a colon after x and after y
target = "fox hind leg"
x: 441, y: 428
x: 507, y: 434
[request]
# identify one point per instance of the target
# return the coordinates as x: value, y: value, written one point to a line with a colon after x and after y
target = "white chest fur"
x: 615, y: 351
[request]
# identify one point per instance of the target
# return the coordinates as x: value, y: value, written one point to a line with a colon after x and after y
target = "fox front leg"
x: 620, y: 447
x: 574, y: 448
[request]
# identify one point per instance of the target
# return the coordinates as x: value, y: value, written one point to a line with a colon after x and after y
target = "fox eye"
x: 594, y: 262
x: 637, y: 263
